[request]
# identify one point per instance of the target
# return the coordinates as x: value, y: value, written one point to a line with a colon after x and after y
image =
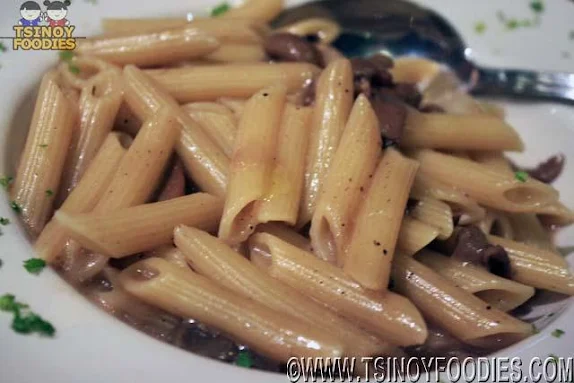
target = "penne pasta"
x: 227, y: 31
x: 213, y: 259
x: 80, y: 70
x: 251, y: 170
x: 496, y: 222
x: 349, y: 174
x: 526, y: 228
x: 41, y: 166
x: 415, y: 235
x: 333, y: 103
x: 287, y: 234
x: 459, y: 132
x: 207, y: 83
x: 84, y: 197
x: 100, y: 101
x: 220, y: 127
x: 186, y: 294
x: 237, y: 105
x: 372, y: 245
x: 325, y: 29
x: 171, y: 254
x: 435, y: 213
x: 500, y: 293
x: 488, y: 187
x: 282, y: 200
x: 536, y: 267
x: 151, y: 49
x: 414, y: 70
x: 260, y: 10
x: 494, y: 160
x: 127, y: 121
x: 463, y: 207
x: 140, y: 228
x: 459, y: 312
x: 205, y: 162
x: 237, y: 53
x: 388, y: 315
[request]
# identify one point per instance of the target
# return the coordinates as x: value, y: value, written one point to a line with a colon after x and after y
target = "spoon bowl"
x: 402, y: 28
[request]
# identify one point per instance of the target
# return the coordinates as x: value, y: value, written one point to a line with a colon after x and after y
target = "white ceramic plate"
x: 91, y: 346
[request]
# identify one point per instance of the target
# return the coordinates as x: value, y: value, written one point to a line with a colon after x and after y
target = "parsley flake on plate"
x: 244, y: 359
x: 220, y: 9
x: 6, y: 181
x: 25, y: 321
x: 558, y: 333
x: 49, y: 193
x: 16, y: 207
x: 521, y: 176
x: 480, y: 27
x: 4, y: 221
x: 34, y: 265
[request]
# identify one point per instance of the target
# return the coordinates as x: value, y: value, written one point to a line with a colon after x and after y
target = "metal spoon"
x: 399, y: 28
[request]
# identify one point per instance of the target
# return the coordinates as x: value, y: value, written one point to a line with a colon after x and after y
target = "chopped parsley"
x: 3, y: 47
x: 24, y: 321
x: 66, y: 55
x: 480, y: 27
x: 521, y: 176
x: 537, y: 6
x: 43, y: 146
x: 244, y: 359
x: 34, y: 265
x: 16, y: 207
x: 220, y: 9
x: 558, y: 333
x: 74, y: 69
x: 4, y: 221
x: 49, y: 193
x: 5, y: 182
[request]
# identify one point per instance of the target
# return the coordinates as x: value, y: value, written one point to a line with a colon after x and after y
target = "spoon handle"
x: 554, y: 86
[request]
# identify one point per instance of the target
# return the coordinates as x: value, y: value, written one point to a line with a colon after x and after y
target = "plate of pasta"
x: 199, y: 193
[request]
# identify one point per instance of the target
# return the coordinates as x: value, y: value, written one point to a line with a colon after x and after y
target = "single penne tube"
x: 212, y: 107
x: 260, y: 10
x: 287, y: 234
x: 326, y: 30
x: 207, y: 83
x: 347, y: 181
x: 189, y: 295
x: 414, y: 70
x: 127, y: 121
x: 204, y: 161
x: 237, y: 105
x: 459, y: 132
x: 211, y: 258
x: 378, y: 222
x: 415, y: 235
x: 140, y: 228
x: 139, y: 171
x: 500, y: 293
x: 462, y: 314
x: 333, y: 103
x: 527, y: 229
x: 496, y: 222
x: 221, y: 127
x: 463, y: 207
x: 228, y: 31
x: 494, y: 160
x: 536, y: 267
x: 238, y: 53
x: 488, y: 187
x: 78, y: 71
x: 435, y: 213
x: 388, y: 315
x: 85, y: 195
x: 151, y: 49
x: 171, y: 254
x: 282, y: 199
x: 42, y: 161
x: 555, y: 214
x: 100, y: 101
x: 251, y: 170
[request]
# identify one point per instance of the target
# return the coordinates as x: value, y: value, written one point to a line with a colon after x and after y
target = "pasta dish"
x: 233, y: 188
